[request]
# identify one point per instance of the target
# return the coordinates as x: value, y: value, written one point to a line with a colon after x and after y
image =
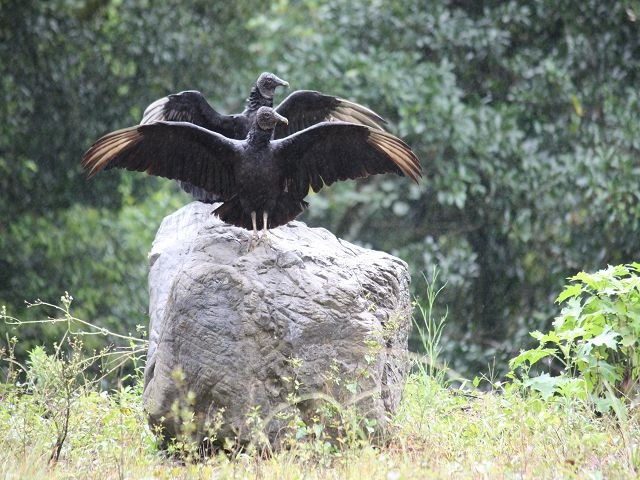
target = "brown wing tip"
x: 398, y: 151
x: 102, y: 152
x: 352, y: 112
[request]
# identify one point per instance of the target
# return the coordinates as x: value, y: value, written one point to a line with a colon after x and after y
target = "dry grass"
x: 440, y: 434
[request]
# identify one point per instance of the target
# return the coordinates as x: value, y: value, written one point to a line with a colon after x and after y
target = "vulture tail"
x: 231, y: 212
x: 287, y: 208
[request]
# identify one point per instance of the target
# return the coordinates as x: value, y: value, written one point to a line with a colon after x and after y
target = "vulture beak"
x: 281, y: 119
x: 282, y: 83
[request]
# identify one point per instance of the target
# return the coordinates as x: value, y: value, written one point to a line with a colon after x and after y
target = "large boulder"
x: 243, y: 336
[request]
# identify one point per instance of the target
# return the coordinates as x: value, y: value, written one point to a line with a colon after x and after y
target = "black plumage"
x: 261, y: 181
x: 191, y: 106
x: 302, y: 108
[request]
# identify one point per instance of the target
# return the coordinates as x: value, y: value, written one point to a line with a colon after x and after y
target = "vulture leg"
x: 265, y: 232
x: 254, y: 235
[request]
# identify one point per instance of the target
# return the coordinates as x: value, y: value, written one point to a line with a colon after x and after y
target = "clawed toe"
x: 257, y: 239
x: 265, y: 240
x: 254, y: 240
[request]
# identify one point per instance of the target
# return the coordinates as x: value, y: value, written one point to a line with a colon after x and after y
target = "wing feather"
x: 332, y: 151
x: 177, y: 150
x: 191, y: 106
x: 304, y: 108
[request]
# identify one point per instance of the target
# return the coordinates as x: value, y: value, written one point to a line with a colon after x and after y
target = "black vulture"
x: 262, y: 181
x: 191, y: 106
x: 302, y: 108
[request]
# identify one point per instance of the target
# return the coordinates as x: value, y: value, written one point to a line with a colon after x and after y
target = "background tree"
x: 525, y: 115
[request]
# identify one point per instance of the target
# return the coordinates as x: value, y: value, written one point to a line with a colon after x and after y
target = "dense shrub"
x: 594, y: 341
x: 525, y: 115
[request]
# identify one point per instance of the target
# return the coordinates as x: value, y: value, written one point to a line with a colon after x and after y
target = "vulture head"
x: 268, y: 118
x: 268, y: 82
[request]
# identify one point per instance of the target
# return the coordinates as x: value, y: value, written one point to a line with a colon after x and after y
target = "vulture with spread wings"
x: 262, y: 181
x: 302, y: 108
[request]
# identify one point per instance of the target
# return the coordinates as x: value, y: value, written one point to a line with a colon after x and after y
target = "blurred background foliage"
x: 525, y: 114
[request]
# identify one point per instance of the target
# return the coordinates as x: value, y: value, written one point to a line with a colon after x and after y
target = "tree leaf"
x: 545, y: 384
x: 531, y: 356
x: 569, y: 292
x: 607, y: 338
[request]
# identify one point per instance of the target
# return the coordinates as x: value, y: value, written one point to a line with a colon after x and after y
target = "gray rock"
x: 233, y: 330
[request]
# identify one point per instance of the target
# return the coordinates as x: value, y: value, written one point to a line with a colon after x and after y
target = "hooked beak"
x: 282, y: 83
x: 281, y: 119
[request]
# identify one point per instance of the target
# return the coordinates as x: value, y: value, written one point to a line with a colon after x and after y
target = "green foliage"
x: 439, y: 433
x: 45, y: 397
x: 73, y: 70
x: 58, y: 422
x: 74, y: 346
x: 429, y: 331
x: 98, y: 253
x: 526, y: 118
x: 595, y: 340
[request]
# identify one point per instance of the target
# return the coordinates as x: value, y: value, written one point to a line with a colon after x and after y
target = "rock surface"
x: 232, y: 329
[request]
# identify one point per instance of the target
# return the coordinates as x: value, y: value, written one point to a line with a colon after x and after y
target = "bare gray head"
x: 268, y: 82
x: 268, y: 118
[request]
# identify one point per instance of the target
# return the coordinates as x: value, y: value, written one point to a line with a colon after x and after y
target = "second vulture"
x: 261, y: 181
x: 302, y: 108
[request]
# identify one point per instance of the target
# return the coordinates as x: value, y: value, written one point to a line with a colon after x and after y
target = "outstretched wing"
x: 191, y: 106
x: 332, y: 151
x: 177, y: 150
x: 304, y: 108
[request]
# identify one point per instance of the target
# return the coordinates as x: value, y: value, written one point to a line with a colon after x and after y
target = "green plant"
x: 593, y: 346
x: 519, y: 110
x: 429, y: 331
x: 57, y: 382
x: 329, y: 423
x: 193, y: 438
x: 438, y: 433
x: 118, y: 349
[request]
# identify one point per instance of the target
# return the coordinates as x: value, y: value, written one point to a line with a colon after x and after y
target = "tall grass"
x: 440, y: 431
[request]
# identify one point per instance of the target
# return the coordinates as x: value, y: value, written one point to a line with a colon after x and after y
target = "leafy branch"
x: 595, y: 340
